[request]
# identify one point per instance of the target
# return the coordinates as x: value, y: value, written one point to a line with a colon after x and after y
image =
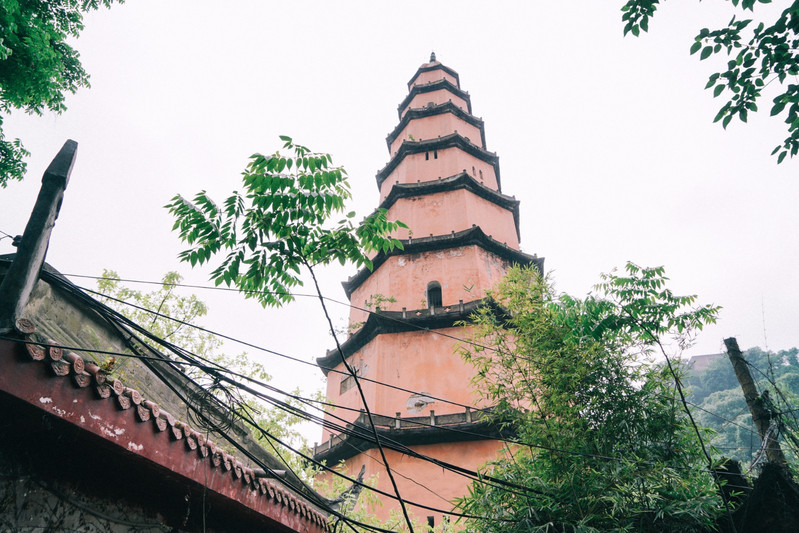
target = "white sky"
x: 607, y: 141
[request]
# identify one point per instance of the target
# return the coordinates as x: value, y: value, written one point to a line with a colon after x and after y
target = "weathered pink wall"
x: 445, y: 212
x: 464, y: 273
x: 450, y: 161
x: 440, y: 486
x: 434, y: 75
x: 440, y: 96
x: 437, y: 126
x: 427, y: 359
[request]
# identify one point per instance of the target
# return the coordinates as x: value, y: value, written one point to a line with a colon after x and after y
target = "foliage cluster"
x: 281, y: 223
x: 37, y: 65
x: 606, y: 444
x: 721, y: 406
x: 759, y: 53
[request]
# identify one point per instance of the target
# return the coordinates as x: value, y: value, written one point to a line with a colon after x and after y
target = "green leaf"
x: 718, y: 90
x: 695, y: 47
x: 726, y: 121
x: 706, y: 51
x: 777, y: 109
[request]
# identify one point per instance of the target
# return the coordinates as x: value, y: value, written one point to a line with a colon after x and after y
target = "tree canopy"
x: 37, y: 65
x: 603, y: 441
x: 759, y: 53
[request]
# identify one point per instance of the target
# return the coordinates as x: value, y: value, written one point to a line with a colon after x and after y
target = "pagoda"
x: 462, y: 236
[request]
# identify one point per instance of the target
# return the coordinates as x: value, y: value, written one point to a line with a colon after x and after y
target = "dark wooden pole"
x: 21, y: 277
x: 760, y: 414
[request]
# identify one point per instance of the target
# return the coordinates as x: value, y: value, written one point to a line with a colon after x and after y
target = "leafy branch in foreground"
x: 281, y: 222
x: 37, y: 65
x: 767, y: 53
x: 606, y: 445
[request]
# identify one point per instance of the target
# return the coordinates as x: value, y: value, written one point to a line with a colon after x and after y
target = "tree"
x: 37, y: 66
x: 172, y: 317
x: 759, y: 53
x: 281, y: 224
x: 604, y: 443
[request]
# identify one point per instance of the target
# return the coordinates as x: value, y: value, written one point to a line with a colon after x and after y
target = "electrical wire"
x: 377, y: 382
x: 356, y: 430
x: 206, y: 368
x: 197, y: 365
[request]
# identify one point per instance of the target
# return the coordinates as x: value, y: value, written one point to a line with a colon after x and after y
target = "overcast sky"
x: 607, y: 141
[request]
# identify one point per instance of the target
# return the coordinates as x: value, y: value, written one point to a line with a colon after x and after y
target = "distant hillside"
x: 718, y: 402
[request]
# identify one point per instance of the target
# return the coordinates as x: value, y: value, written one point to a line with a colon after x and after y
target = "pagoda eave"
x: 463, y: 180
x: 472, y: 236
x: 343, y: 447
x: 435, y: 86
x: 433, y: 110
x: 453, y: 140
x: 435, y: 66
x: 381, y: 322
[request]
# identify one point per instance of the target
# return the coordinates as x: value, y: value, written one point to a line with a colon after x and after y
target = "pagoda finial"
x: 432, y: 57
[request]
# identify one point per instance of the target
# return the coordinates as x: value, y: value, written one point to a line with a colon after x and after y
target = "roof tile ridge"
x: 63, y: 364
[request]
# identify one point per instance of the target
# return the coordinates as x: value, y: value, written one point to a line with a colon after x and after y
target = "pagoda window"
x: 435, y: 154
x: 426, y: 156
x: 434, y: 298
x: 348, y: 382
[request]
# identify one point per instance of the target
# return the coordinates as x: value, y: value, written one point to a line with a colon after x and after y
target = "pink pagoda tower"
x: 463, y: 235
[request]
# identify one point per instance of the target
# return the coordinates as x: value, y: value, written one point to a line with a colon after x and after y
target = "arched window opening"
x: 481, y: 175
x: 434, y: 295
x: 426, y: 156
x: 435, y: 154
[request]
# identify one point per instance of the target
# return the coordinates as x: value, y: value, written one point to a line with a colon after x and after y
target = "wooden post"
x: 760, y: 415
x: 21, y: 277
